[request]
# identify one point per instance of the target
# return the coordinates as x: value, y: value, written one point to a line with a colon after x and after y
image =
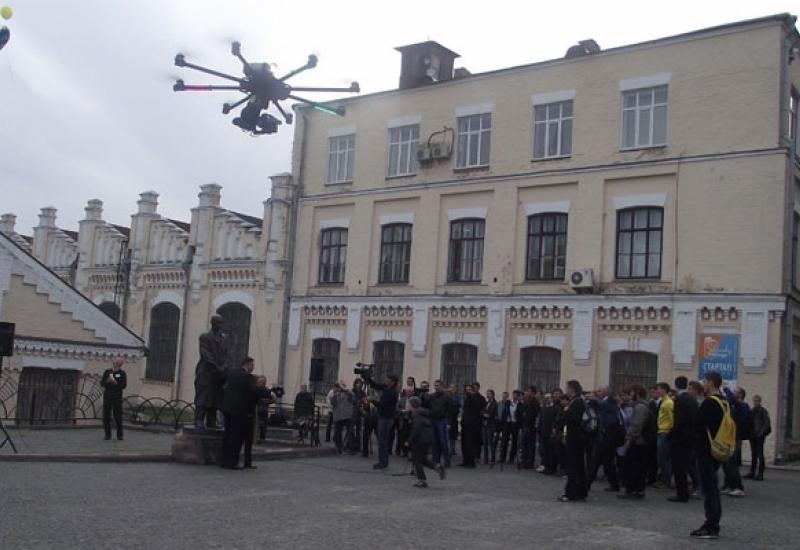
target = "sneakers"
x: 441, y: 471
x: 704, y: 533
x: 724, y: 491
x: 421, y: 484
x: 540, y: 469
x: 697, y: 495
x: 736, y: 493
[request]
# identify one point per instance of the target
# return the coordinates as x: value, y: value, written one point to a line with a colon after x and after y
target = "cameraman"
x: 387, y: 405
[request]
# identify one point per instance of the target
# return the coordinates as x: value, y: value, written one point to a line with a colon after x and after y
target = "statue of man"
x: 210, y: 374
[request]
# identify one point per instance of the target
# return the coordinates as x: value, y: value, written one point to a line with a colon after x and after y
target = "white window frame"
x: 405, y: 166
x: 547, y: 122
x: 341, y: 152
x: 478, y: 134
x: 638, y: 110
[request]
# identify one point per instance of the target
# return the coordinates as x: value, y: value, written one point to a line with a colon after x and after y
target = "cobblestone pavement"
x: 340, y: 502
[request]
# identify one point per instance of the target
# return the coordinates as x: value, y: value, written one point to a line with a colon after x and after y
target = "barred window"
x: 326, y: 349
x: 541, y: 367
x: 466, y: 250
x: 403, y: 142
x: 395, y: 253
x: 639, y: 235
x: 547, y: 247
x: 332, y: 255
x: 387, y: 357
x: 633, y: 367
x: 237, y: 328
x: 459, y: 365
x: 165, y: 319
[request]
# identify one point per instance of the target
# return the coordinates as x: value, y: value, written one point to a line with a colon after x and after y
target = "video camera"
x: 364, y: 370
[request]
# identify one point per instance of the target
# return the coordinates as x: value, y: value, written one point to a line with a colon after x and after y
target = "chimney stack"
x: 210, y: 194
x: 47, y: 217
x: 7, y: 222
x: 425, y: 63
x: 148, y: 202
x: 94, y: 210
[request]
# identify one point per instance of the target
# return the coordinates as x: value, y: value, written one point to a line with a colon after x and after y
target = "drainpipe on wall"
x: 290, y: 250
x: 186, y: 266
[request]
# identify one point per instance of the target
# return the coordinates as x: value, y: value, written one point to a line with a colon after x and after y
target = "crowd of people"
x: 661, y: 437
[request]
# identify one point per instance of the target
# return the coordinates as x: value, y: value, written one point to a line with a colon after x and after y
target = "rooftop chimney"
x: 7, y: 222
x: 47, y: 217
x: 148, y: 202
x: 425, y: 63
x: 94, y: 210
x: 210, y: 194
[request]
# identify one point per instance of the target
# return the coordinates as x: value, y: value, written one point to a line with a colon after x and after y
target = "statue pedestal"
x: 194, y: 445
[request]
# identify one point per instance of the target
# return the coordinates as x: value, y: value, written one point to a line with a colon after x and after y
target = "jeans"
x: 664, y: 460
x: 385, y: 426
x: 440, y: 448
x: 708, y: 478
x: 510, y: 431
x: 489, y: 444
x: 733, y: 478
x: 338, y: 427
x: 757, y: 464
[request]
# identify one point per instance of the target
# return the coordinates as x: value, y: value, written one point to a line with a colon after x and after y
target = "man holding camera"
x: 387, y: 404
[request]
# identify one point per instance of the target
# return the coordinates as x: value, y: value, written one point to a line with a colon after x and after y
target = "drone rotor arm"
x: 228, y: 107
x: 337, y: 111
x: 210, y: 71
x: 311, y: 89
x: 286, y: 116
x: 204, y: 88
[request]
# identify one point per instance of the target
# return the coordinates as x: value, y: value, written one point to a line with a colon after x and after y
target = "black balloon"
x: 5, y: 34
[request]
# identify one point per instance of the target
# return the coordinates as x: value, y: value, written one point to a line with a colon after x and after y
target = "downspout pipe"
x: 290, y: 251
x: 187, y: 270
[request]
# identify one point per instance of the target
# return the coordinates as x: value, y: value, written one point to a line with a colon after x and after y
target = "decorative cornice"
x: 69, y: 350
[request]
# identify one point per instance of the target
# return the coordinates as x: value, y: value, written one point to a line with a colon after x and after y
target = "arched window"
x: 237, y: 328
x: 326, y: 349
x: 332, y: 255
x: 633, y: 367
x: 466, y: 251
x: 541, y: 367
x: 459, y: 365
x: 547, y: 247
x: 165, y: 319
x: 387, y: 356
x: 111, y: 309
x: 639, y: 238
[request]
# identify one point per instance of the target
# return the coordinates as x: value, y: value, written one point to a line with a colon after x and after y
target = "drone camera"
x: 268, y: 123
x: 180, y: 60
x: 179, y: 86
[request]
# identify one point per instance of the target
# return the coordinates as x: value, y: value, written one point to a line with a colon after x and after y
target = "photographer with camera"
x: 387, y: 405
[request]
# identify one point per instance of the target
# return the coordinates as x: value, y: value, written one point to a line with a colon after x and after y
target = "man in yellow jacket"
x: 666, y: 419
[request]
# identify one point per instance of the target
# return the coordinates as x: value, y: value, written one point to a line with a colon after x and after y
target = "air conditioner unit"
x: 423, y: 153
x: 581, y: 279
x: 440, y: 151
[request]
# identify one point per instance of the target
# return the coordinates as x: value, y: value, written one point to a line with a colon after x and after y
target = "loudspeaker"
x: 316, y: 374
x: 6, y: 339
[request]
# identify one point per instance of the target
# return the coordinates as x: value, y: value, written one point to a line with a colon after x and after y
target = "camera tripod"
x: 6, y: 435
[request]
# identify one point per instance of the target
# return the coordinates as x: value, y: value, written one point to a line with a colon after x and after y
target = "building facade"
x: 614, y: 216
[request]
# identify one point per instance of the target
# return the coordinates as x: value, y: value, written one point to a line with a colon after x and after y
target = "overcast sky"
x: 87, y: 108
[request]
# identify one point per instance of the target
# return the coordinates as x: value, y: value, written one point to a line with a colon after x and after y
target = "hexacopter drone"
x: 261, y: 88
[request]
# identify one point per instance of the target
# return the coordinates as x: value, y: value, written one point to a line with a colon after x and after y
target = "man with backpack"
x: 715, y: 441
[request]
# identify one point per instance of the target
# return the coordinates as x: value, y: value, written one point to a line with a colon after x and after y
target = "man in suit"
x: 681, y: 438
x: 210, y: 374
x: 237, y: 400
x: 260, y: 392
x: 530, y: 415
x: 510, y: 426
x: 113, y: 381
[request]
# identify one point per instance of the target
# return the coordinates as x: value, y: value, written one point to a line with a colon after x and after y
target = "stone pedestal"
x: 197, y: 446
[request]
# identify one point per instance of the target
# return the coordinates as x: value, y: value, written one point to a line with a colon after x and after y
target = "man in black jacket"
x: 709, y: 419
x: 509, y: 421
x: 439, y: 405
x: 681, y: 438
x: 530, y: 414
x: 576, y: 487
x: 387, y: 405
x: 474, y: 403
x: 113, y: 381
x: 420, y: 439
x: 236, y: 402
x: 259, y: 392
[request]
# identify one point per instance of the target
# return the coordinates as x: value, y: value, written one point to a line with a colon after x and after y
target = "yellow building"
x: 613, y: 216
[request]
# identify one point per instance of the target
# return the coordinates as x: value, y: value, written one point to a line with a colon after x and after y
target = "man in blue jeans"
x: 439, y: 403
x: 387, y: 404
